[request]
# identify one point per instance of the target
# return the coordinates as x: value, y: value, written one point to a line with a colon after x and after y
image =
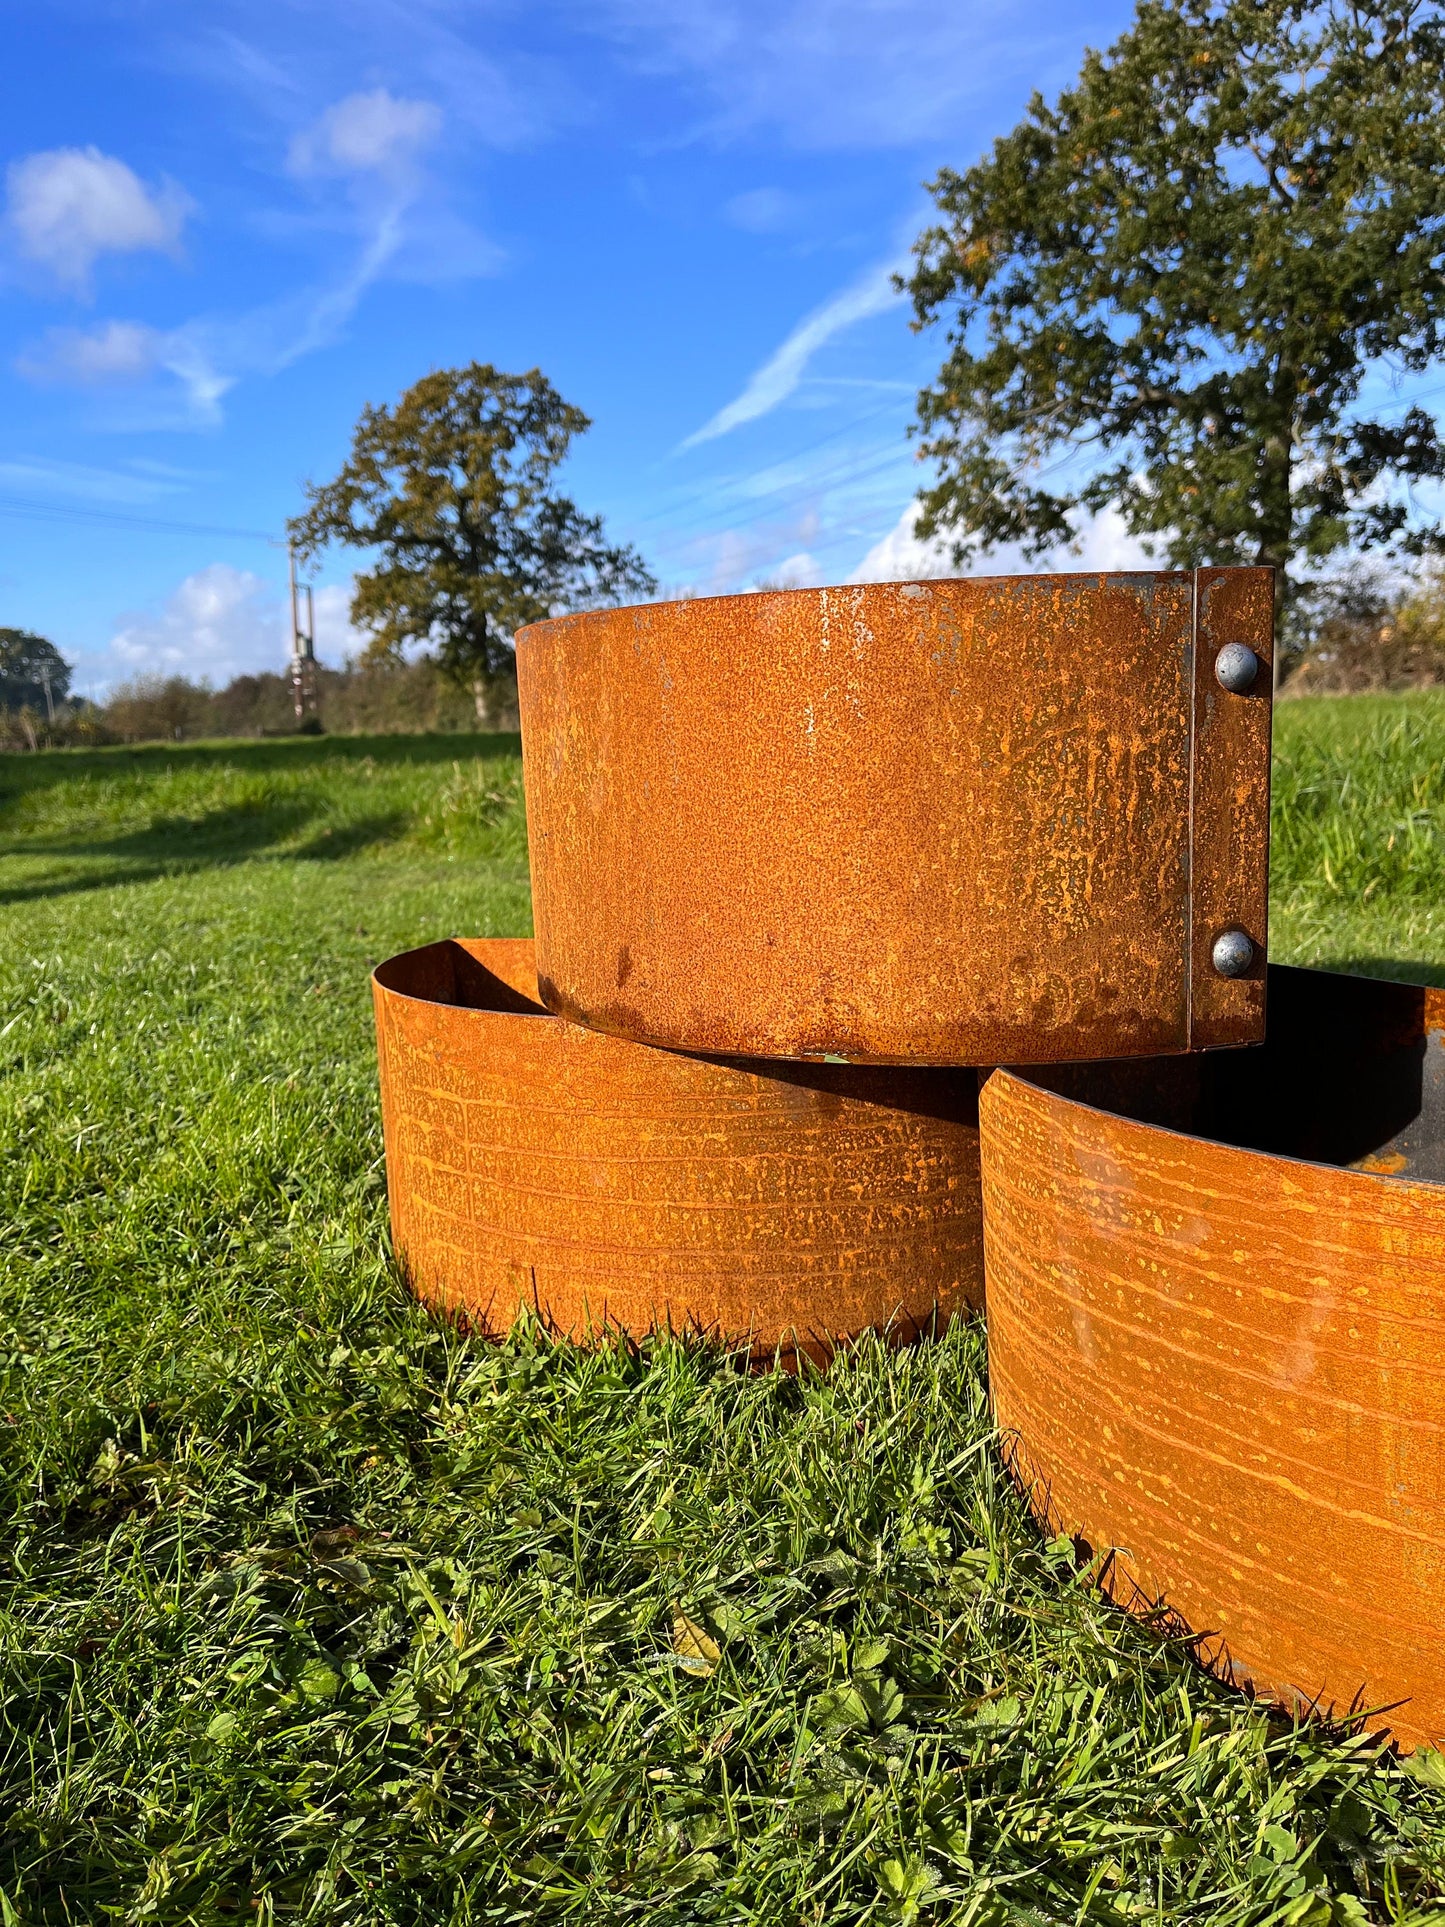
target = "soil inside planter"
x: 1352, y: 1074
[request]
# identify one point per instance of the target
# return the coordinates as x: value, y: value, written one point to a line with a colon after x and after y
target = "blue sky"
x: 227, y: 227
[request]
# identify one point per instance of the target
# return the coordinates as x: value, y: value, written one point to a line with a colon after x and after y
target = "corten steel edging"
x: 531, y: 1163
x: 1229, y: 804
x: 964, y: 822
x: 1226, y: 1360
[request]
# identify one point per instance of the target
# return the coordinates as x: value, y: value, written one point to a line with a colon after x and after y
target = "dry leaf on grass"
x: 694, y: 1646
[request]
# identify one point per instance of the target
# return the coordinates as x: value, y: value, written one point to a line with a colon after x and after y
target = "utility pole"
x: 303, y: 648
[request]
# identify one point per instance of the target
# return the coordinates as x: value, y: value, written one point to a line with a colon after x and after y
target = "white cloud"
x: 218, y: 623
x: 127, y: 353
x: 901, y: 555
x: 1102, y: 544
x: 780, y: 374
x: 223, y: 622
x: 365, y: 133
x: 68, y: 206
x: 335, y: 637
x: 800, y: 571
x: 111, y: 351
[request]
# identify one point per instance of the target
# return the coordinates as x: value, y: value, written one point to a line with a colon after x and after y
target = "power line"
x: 118, y: 519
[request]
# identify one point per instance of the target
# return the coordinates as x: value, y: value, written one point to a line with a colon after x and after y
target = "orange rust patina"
x: 934, y: 822
x: 1216, y: 1292
x: 533, y: 1163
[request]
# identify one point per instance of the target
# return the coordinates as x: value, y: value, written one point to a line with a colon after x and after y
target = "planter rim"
x: 581, y: 619
x: 602, y: 1183
x: 1033, y: 1075
x: 401, y: 958
x: 1216, y: 1357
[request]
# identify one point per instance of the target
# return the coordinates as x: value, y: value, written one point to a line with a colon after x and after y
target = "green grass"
x: 1358, y: 852
x: 312, y: 1610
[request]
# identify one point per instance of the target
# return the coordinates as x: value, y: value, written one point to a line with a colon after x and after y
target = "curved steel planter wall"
x: 951, y: 822
x: 531, y: 1162
x: 1216, y: 1298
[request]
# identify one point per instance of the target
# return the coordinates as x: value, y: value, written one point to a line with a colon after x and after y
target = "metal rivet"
x: 1236, y: 666
x: 1232, y: 954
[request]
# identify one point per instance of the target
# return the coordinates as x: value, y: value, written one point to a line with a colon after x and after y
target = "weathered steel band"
x: 530, y: 1162
x: 965, y: 822
x: 1216, y: 1294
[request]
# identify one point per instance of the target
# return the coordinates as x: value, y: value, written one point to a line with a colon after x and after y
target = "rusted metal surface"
x: 1216, y: 1291
x: 937, y: 822
x: 533, y: 1163
x: 1229, y: 857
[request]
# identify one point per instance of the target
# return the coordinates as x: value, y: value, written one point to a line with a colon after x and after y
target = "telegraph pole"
x: 303, y: 647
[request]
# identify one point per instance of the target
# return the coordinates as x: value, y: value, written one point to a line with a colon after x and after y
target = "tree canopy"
x: 1173, y: 283
x: 27, y: 661
x: 454, y: 487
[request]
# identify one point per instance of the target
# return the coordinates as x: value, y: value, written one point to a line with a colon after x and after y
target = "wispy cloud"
x: 763, y: 210
x: 110, y: 351
x: 842, y: 74
x: 70, y: 205
x: 131, y: 354
x: 279, y: 56
x: 137, y: 484
x: 784, y: 369
x: 375, y: 145
x: 776, y: 551
x: 180, y: 376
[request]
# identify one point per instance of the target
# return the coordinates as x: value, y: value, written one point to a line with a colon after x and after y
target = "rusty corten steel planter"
x: 533, y: 1163
x: 1216, y: 1296
x: 963, y: 822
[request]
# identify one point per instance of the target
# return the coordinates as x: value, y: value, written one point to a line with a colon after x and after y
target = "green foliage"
x: 1185, y: 267
x: 27, y: 663
x: 313, y: 1610
x: 366, y: 698
x: 1360, y: 629
x: 454, y: 487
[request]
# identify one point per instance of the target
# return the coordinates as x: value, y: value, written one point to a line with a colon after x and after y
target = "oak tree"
x: 1168, y: 291
x: 33, y: 673
x: 454, y: 488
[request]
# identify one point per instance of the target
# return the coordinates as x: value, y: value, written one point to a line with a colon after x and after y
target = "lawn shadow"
x: 349, y: 839
x: 184, y: 846
x: 1395, y: 970
x: 22, y: 772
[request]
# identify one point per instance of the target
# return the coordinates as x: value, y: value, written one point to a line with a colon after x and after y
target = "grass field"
x: 313, y: 1611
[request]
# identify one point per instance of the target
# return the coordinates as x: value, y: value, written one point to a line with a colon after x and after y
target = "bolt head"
x: 1233, y: 953
x: 1236, y: 667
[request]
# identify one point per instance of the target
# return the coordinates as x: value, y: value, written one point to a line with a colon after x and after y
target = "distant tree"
x: 1368, y: 628
x: 454, y: 487
x: 27, y: 663
x: 1180, y: 273
x: 158, y: 709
